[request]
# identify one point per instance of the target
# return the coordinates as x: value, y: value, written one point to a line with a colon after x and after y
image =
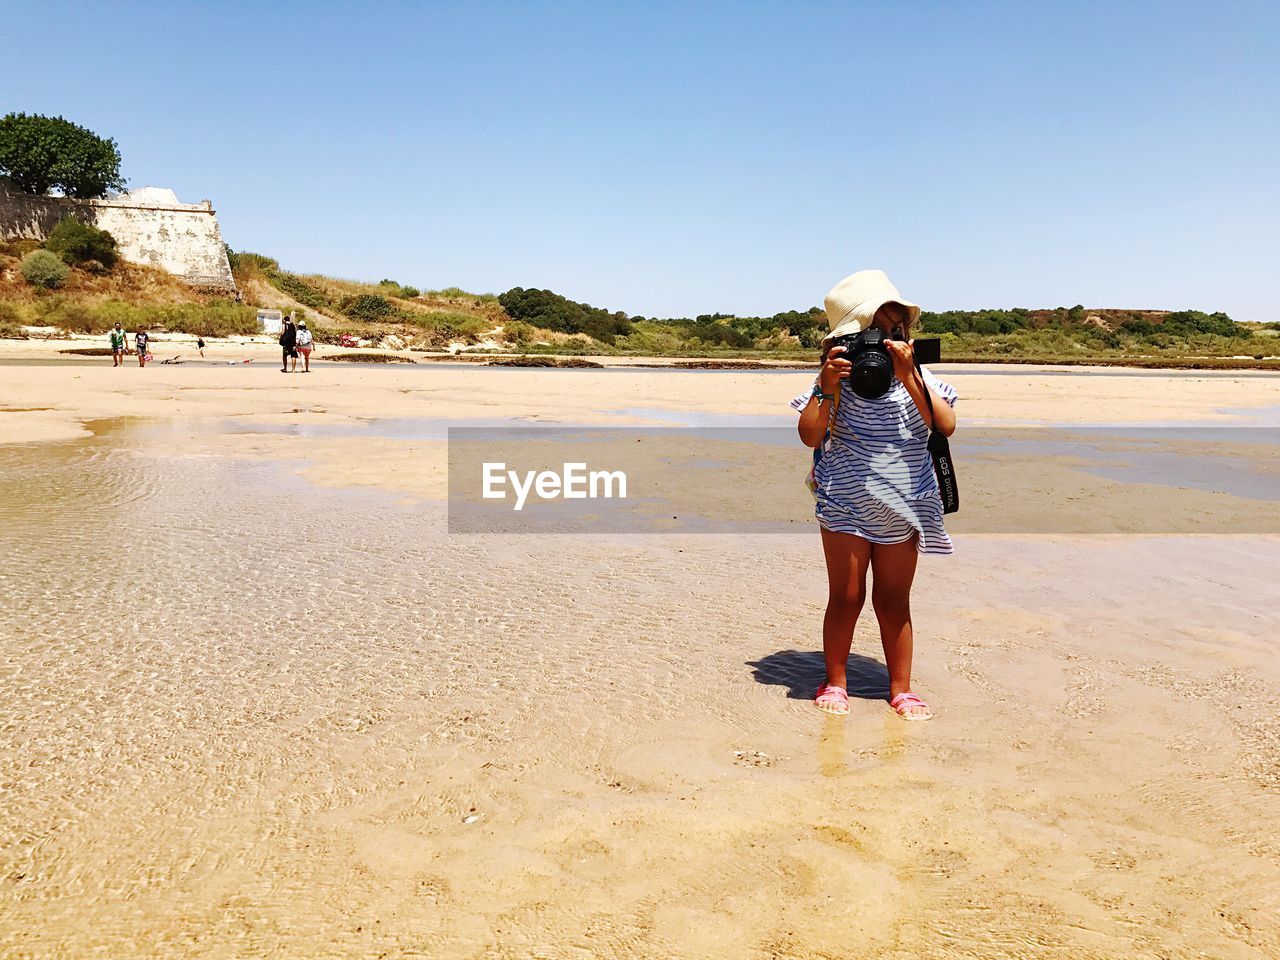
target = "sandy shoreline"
x: 44, y: 404
x: 256, y: 701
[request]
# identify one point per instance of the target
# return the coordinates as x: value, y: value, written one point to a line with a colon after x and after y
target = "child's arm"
x: 944, y: 418
x: 817, y: 412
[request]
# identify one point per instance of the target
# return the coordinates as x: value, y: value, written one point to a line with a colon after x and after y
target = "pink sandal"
x: 905, y: 701
x: 832, y: 699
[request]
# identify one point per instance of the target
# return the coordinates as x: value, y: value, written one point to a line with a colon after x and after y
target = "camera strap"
x: 940, y: 451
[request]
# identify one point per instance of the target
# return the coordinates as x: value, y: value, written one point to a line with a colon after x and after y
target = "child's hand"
x: 903, y: 357
x: 834, y: 369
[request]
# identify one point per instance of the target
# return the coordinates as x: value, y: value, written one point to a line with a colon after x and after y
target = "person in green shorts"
x: 119, y: 344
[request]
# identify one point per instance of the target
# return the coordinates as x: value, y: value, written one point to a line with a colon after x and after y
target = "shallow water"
x: 244, y: 716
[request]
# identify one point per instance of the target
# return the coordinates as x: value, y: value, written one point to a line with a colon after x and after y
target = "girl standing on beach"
x: 878, y: 503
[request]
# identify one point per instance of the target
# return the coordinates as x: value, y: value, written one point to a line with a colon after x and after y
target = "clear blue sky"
x: 675, y: 159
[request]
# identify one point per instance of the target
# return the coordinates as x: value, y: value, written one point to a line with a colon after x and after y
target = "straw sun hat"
x: 852, y: 303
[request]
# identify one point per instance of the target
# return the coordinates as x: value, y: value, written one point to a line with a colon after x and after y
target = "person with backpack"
x: 305, y: 343
x: 288, y: 345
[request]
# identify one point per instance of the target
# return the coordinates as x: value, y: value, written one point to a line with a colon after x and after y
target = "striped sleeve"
x: 943, y: 389
x: 801, y: 400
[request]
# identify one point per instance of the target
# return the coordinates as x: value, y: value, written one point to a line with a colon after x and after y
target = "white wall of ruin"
x: 149, y: 226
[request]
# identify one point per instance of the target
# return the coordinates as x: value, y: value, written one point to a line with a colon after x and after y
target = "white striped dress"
x: 875, y: 477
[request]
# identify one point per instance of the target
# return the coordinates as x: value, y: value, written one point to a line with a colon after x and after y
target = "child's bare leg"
x: 848, y: 558
x: 893, y: 568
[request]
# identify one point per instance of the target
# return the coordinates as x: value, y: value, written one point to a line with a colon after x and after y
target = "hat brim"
x: 865, y: 316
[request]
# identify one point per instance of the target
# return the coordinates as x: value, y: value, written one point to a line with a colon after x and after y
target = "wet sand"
x: 253, y: 706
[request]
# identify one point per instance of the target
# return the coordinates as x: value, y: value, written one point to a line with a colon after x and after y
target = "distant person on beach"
x: 304, y: 342
x: 119, y: 344
x: 200, y: 346
x: 140, y: 345
x: 878, y: 502
x: 288, y: 345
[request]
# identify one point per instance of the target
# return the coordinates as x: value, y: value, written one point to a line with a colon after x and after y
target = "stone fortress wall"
x: 150, y: 227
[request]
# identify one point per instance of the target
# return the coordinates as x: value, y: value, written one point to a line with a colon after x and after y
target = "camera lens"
x: 872, y: 375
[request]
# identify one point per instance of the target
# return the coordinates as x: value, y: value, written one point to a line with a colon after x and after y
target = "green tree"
x: 77, y: 242
x: 44, y: 153
x: 43, y: 269
x: 1195, y: 321
x: 549, y: 310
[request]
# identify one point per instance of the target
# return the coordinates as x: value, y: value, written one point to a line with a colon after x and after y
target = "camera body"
x: 872, y: 373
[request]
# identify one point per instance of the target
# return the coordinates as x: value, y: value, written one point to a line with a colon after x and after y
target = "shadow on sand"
x: 801, y: 671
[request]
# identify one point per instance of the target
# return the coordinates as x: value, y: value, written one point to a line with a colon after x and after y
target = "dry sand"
x: 252, y: 706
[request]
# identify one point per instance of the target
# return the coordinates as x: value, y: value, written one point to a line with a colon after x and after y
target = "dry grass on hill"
x: 337, y: 289
x: 129, y: 283
x: 432, y: 320
x: 136, y: 296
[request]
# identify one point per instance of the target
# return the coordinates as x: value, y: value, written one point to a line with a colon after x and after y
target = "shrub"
x: 220, y: 318
x: 299, y: 289
x: 517, y: 331
x: 1190, y: 322
x: 1138, y: 327
x: 812, y: 337
x: 246, y: 259
x: 43, y: 269
x: 77, y: 318
x: 18, y: 248
x: 78, y: 242
x: 717, y: 334
x: 368, y: 306
x: 654, y: 338
x: 11, y: 323
x: 393, y: 289
x: 457, y: 325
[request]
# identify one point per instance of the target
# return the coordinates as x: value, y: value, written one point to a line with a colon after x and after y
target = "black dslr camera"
x: 872, y: 373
